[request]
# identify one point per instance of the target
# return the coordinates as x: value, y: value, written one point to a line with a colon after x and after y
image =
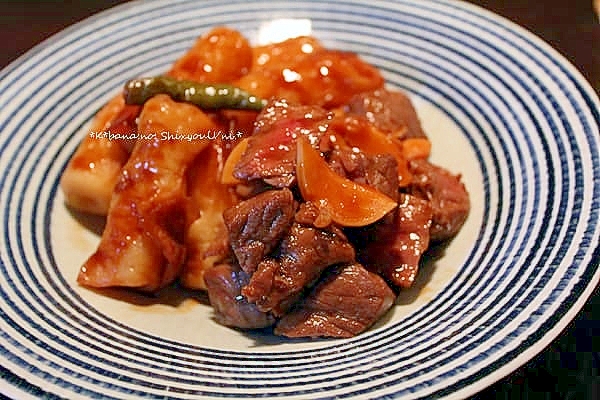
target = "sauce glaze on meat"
x: 269, y: 251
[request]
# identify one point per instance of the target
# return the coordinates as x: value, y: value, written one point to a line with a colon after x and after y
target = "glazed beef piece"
x: 302, y: 256
x: 379, y: 171
x: 390, y: 111
x: 347, y: 301
x: 256, y: 225
x: 224, y: 283
x: 271, y: 151
x: 310, y: 213
x: 394, y: 249
x: 448, y: 196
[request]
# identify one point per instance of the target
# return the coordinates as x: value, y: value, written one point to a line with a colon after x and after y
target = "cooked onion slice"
x: 227, y: 177
x: 348, y: 203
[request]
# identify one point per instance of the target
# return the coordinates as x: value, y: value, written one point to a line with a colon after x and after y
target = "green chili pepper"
x: 204, y: 95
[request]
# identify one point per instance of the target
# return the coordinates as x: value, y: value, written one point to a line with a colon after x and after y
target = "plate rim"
x: 579, y: 81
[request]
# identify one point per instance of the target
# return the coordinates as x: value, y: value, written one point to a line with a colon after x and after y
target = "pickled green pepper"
x: 204, y: 95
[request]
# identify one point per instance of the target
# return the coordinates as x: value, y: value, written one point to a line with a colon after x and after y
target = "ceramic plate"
x: 500, y: 106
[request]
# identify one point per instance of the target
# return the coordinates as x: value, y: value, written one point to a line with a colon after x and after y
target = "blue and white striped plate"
x: 501, y: 107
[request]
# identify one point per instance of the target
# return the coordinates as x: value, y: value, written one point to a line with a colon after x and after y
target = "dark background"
x: 569, y: 368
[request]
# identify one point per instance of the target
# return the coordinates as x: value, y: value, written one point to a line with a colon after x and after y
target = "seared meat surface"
x: 257, y: 225
x: 347, y: 301
x: 271, y: 151
x: 379, y: 171
x: 447, y: 195
x: 390, y: 111
x: 303, y: 255
x: 394, y: 249
x: 224, y: 283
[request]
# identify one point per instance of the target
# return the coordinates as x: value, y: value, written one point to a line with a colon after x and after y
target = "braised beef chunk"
x: 394, y: 250
x: 224, y: 283
x: 347, y: 301
x: 379, y: 171
x: 271, y: 151
x: 448, y: 196
x: 256, y: 225
x: 302, y: 256
x: 390, y: 111
x: 310, y: 213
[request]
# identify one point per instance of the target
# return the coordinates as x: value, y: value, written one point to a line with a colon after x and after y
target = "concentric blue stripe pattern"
x: 529, y: 119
